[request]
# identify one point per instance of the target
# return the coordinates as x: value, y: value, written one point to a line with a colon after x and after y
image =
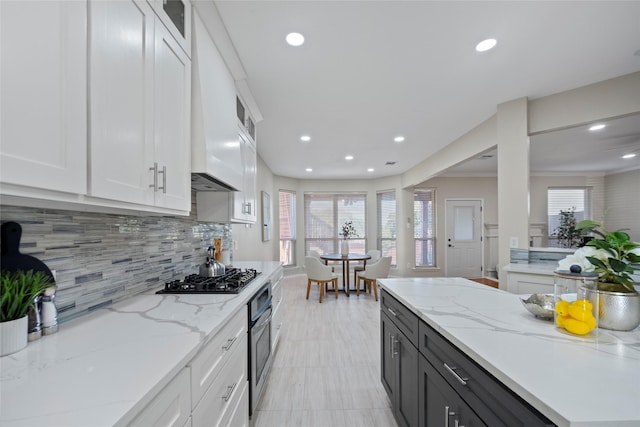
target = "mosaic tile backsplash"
x: 103, y: 258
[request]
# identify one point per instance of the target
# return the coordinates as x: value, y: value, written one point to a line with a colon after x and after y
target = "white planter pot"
x: 344, y: 248
x: 13, y: 335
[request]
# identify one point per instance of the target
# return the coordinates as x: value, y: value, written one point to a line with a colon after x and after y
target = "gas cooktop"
x: 233, y: 281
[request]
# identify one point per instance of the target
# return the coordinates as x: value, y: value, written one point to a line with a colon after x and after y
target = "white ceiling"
x: 371, y: 70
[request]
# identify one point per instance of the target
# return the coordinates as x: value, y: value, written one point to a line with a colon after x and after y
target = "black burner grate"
x: 232, y: 282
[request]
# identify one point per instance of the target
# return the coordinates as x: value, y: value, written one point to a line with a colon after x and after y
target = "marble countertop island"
x: 574, y: 381
x: 103, y: 368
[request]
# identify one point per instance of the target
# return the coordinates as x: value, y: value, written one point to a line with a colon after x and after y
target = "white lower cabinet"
x: 528, y: 283
x: 170, y: 407
x: 225, y: 396
x: 219, y: 375
x: 277, y: 295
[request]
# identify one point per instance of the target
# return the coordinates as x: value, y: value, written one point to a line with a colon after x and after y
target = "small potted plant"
x: 567, y: 234
x: 348, y: 231
x: 613, y: 257
x: 18, y: 290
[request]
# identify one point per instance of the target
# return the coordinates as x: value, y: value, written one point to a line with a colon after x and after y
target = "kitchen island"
x: 571, y: 380
x: 105, y: 368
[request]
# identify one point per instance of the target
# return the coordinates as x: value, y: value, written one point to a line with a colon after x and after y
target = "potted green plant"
x: 18, y: 290
x: 567, y: 234
x: 613, y: 257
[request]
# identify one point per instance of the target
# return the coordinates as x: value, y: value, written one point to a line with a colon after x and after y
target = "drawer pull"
x: 230, y: 342
x: 461, y: 380
x: 392, y: 312
x: 230, y: 389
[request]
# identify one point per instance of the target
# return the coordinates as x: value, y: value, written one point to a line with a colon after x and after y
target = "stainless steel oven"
x: 259, y: 343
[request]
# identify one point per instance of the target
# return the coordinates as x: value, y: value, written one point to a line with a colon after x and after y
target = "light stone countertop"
x: 574, y: 381
x: 103, y: 368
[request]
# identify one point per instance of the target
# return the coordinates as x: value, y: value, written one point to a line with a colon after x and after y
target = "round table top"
x: 340, y: 257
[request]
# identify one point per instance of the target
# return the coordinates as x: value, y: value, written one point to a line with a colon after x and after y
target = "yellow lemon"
x: 576, y: 327
x: 562, y: 307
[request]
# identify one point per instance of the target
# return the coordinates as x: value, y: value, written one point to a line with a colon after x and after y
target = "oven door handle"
x: 260, y: 323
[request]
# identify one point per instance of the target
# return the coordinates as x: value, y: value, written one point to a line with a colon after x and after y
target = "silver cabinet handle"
x: 230, y: 389
x: 446, y: 416
x: 394, y: 346
x: 452, y: 370
x: 154, y: 169
x: 230, y: 342
x: 392, y: 312
x: 164, y: 179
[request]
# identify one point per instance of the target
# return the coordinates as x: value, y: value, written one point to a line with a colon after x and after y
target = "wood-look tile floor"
x: 326, y: 369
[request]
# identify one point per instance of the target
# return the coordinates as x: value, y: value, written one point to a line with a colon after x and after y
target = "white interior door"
x: 464, y: 238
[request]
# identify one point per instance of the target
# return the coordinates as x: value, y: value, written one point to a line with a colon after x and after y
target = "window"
x: 287, y: 203
x: 424, y: 227
x: 559, y: 199
x: 324, y: 215
x: 387, y: 224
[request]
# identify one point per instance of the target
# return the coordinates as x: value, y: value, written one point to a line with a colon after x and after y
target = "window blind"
x: 325, y: 213
x: 565, y: 199
x: 387, y: 224
x: 424, y: 227
x: 287, y: 209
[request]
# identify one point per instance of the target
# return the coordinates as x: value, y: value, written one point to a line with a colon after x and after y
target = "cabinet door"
x: 43, y: 69
x: 440, y: 405
x: 407, y: 382
x: 387, y: 363
x: 121, y: 111
x: 176, y: 17
x: 170, y: 407
x: 172, y: 148
x: 249, y: 162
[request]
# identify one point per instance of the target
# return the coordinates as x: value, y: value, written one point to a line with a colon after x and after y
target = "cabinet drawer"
x: 401, y: 316
x: 170, y: 407
x: 494, y: 403
x: 207, y: 364
x: 276, y: 294
x: 225, y: 393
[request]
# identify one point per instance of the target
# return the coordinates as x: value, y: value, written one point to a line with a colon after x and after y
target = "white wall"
x: 622, y: 196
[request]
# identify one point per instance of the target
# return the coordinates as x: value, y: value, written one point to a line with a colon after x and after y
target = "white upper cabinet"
x: 176, y: 17
x: 172, y: 124
x: 215, y: 149
x: 139, y: 107
x: 43, y: 85
x: 234, y: 206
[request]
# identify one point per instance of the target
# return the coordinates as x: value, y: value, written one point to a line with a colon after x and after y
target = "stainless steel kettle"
x: 212, y: 268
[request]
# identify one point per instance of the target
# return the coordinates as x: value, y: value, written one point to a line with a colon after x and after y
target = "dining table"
x: 345, y: 265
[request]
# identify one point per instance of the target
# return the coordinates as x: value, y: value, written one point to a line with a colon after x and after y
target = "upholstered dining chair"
x: 321, y: 274
x: 372, y: 272
x: 375, y: 255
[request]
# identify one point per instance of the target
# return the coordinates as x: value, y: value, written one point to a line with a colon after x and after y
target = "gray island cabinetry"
x: 458, y: 353
x: 431, y: 383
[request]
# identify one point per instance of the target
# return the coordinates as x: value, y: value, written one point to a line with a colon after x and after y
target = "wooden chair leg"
x: 374, y: 284
x: 357, y: 280
x: 335, y: 286
x: 308, y: 287
x: 322, y: 285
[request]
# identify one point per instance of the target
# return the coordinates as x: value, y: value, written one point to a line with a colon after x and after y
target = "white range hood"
x: 216, y: 162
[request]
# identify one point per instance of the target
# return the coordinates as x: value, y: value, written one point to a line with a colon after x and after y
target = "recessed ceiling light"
x: 370, y: 170
x: 399, y: 139
x: 305, y: 138
x: 295, y: 39
x: 309, y: 170
x: 629, y: 156
x: 485, y: 45
x: 597, y: 127
x: 348, y: 157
